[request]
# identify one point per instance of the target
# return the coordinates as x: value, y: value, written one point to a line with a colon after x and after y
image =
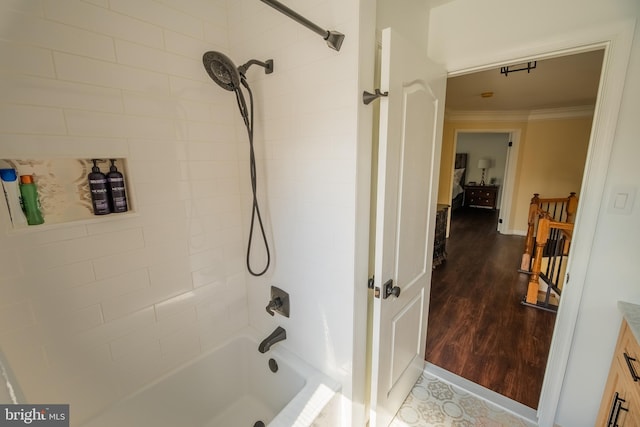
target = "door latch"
x: 389, y: 289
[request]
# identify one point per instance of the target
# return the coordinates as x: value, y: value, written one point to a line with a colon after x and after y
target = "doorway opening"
x: 553, y: 127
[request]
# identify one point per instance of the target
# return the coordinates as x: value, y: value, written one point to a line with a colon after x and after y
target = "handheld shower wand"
x: 224, y: 72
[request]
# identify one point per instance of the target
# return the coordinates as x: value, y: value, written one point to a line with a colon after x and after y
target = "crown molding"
x: 520, y: 115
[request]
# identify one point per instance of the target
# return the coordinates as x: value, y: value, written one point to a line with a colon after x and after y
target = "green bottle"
x: 30, y: 202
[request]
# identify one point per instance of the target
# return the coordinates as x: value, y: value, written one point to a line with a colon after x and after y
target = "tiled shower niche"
x: 63, y: 187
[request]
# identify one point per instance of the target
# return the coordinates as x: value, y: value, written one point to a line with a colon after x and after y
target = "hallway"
x: 477, y: 327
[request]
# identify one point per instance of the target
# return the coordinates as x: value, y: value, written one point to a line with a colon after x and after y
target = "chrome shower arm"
x: 334, y: 39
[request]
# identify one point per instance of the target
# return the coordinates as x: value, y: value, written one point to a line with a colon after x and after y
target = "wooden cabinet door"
x: 621, y: 399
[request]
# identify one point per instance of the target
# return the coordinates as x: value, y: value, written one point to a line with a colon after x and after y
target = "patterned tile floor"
x: 436, y: 403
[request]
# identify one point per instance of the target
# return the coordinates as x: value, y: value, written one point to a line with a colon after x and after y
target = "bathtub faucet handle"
x: 274, y: 304
x: 279, y: 302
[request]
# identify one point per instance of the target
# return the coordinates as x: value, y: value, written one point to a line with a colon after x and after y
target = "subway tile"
x: 71, y: 322
x: 31, y: 120
x: 188, y: 46
x: 206, y: 258
x: 43, y: 237
x: 55, y: 303
x: 212, y: 11
x: 10, y: 264
x: 103, y: 21
x: 101, y: 3
x: 26, y: 60
x: 137, y: 369
x: 178, y: 303
x: 169, y: 281
x: 59, y: 279
x: 150, y: 105
x: 208, y: 170
x: 133, y: 341
x: 202, y: 91
x: 26, y: 7
x: 116, y: 223
x: 159, y: 14
x: 122, y: 305
x: 102, y: 73
x: 154, y: 171
x: 120, y: 263
x: 219, y: 151
x: 181, y: 345
x: 151, y: 59
x: 197, y: 111
x: 173, y: 253
x: 215, y: 132
x: 24, y: 353
x: 118, y: 125
x: 54, y: 146
x: 13, y: 290
x: 176, y: 321
x: 150, y: 193
x: 217, y: 36
x: 55, y: 93
x: 69, y: 252
x: 15, y: 316
x: 118, y: 327
x: 43, y: 33
x: 152, y: 150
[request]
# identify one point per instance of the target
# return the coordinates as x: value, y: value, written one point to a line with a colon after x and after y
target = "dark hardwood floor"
x: 477, y: 327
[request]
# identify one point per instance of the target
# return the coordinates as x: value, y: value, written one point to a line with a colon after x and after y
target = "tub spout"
x: 276, y: 336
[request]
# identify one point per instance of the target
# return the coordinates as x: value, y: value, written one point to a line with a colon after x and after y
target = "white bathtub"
x: 229, y: 386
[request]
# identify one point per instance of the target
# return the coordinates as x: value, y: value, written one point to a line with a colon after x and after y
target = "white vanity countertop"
x: 631, y: 313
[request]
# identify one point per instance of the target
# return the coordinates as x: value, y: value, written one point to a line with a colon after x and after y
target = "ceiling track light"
x: 519, y: 67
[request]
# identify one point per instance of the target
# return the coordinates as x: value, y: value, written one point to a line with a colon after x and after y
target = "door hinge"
x: 370, y: 282
x: 510, y: 143
x: 567, y: 281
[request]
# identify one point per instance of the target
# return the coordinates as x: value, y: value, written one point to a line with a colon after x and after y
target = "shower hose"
x: 247, y: 116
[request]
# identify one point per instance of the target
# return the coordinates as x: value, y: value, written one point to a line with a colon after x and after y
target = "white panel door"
x: 408, y: 165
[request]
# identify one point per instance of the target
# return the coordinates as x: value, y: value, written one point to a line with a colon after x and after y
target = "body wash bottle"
x: 117, y: 192
x: 30, y: 200
x: 98, y: 188
x: 11, y: 189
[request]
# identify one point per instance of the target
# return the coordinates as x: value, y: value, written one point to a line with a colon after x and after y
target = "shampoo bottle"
x: 117, y: 192
x: 30, y: 201
x: 12, y: 195
x: 99, y: 192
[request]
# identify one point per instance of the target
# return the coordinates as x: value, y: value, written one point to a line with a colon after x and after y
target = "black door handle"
x: 389, y: 289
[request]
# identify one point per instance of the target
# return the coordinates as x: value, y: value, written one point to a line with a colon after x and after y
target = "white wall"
x: 464, y: 33
x: 492, y: 146
x: 306, y: 132
x: 91, y: 311
x: 409, y: 17
x: 119, y: 302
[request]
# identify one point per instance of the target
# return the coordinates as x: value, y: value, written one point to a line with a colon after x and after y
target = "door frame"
x: 616, y: 40
x: 510, y: 170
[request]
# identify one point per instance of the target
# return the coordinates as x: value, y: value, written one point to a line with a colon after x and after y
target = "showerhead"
x: 222, y: 70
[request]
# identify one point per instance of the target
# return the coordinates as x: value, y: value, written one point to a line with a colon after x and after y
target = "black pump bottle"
x: 117, y: 192
x: 99, y: 192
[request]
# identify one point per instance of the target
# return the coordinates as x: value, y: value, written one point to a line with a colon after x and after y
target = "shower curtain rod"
x: 334, y: 39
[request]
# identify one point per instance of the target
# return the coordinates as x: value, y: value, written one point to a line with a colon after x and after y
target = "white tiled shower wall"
x: 90, y: 312
x: 306, y: 133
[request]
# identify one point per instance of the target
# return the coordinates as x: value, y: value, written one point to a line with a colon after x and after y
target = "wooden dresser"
x: 620, y: 404
x: 440, y: 238
x: 480, y: 196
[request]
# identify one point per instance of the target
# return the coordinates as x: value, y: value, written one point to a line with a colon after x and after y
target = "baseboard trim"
x: 509, y: 405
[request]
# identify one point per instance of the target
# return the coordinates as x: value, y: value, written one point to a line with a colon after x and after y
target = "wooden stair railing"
x: 560, y: 209
x: 553, y: 239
